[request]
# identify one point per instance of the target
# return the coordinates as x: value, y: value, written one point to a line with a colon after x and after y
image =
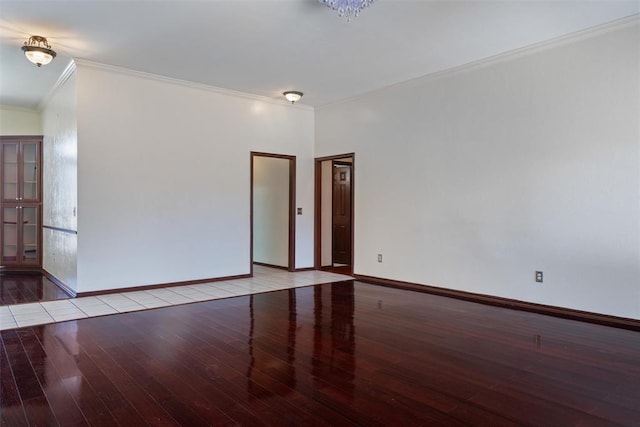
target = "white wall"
x: 271, y: 210
x: 474, y: 179
x: 60, y: 167
x: 163, y: 177
x: 19, y: 121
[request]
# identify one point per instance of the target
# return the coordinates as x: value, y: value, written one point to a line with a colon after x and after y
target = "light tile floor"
x: 264, y: 280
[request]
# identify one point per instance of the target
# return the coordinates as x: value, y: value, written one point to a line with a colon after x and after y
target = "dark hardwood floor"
x: 338, y: 354
x: 18, y: 288
x: 342, y: 269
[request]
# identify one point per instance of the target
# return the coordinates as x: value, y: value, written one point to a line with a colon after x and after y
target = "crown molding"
x: 68, y: 72
x: 186, y: 83
x: 577, y: 36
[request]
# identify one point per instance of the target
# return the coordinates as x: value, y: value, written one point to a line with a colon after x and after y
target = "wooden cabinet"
x: 21, y: 195
x: 21, y: 235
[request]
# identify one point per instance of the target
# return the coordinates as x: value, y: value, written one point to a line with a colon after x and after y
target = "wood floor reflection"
x: 339, y: 354
x: 18, y: 288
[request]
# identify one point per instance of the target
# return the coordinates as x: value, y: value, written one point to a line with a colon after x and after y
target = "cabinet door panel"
x: 10, y: 189
x: 10, y: 219
x: 30, y: 224
x: 30, y: 180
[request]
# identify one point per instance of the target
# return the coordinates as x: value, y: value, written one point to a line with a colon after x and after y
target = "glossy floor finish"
x: 341, y: 269
x: 338, y: 354
x: 19, y: 288
x: 264, y: 279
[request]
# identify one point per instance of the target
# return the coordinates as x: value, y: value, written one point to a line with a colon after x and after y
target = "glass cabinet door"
x: 30, y: 228
x: 10, y: 234
x: 21, y: 208
x: 10, y: 188
x: 29, y: 190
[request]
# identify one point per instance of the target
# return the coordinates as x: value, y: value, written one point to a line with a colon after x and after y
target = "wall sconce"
x: 38, y: 50
x: 292, y: 96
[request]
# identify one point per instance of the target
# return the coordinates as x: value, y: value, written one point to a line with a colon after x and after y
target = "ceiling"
x: 264, y: 47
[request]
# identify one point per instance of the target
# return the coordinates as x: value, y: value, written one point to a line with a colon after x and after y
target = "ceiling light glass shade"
x: 38, y: 51
x: 347, y: 8
x: 293, y: 96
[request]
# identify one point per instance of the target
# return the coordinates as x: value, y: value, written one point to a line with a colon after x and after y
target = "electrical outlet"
x: 379, y: 257
x: 539, y: 276
x: 299, y: 211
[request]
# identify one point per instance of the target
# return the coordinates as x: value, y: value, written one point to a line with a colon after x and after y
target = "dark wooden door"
x: 341, y: 213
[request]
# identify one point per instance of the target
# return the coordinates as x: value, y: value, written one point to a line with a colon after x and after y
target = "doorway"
x: 341, y: 213
x: 273, y: 188
x: 334, y: 216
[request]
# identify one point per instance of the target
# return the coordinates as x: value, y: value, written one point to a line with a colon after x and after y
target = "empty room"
x: 320, y: 212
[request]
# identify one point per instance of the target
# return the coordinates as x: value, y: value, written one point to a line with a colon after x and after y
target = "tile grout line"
x: 262, y: 284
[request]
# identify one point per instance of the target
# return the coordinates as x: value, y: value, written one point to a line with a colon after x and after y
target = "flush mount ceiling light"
x: 347, y: 8
x: 38, y: 50
x: 292, y: 96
